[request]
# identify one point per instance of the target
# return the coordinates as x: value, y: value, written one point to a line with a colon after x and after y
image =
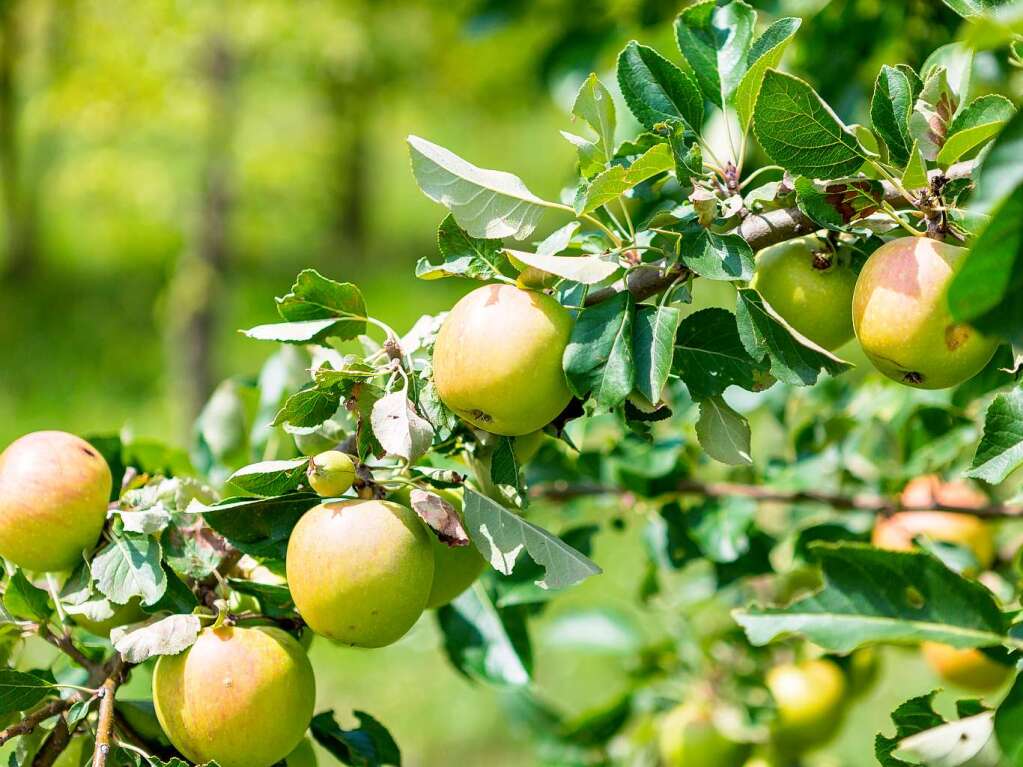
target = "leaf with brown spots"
x: 441, y: 516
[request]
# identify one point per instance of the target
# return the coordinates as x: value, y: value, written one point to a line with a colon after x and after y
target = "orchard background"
x: 167, y: 168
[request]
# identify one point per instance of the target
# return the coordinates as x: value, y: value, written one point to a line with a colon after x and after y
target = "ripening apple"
x: 688, y: 736
x: 810, y: 697
x: 810, y: 287
x: 303, y: 756
x: 54, y: 491
x: 902, y: 319
x: 897, y: 532
x: 497, y: 359
x: 131, y: 612
x: 968, y: 667
x: 242, y: 697
x: 331, y: 473
x: 360, y: 572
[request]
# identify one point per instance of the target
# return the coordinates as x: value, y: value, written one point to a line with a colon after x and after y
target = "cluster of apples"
x: 897, y: 307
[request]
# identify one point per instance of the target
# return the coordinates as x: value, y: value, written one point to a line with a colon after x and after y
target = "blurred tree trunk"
x: 352, y: 109
x: 19, y: 230
x: 196, y: 289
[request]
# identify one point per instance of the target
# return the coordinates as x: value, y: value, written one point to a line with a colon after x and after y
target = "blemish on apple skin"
x: 912, y: 377
x: 956, y: 335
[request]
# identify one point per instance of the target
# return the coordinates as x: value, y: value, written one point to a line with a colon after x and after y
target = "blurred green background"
x: 168, y: 166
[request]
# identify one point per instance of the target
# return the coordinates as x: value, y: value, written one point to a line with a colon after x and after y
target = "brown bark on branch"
x: 105, y: 725
x: 760, y: 230
x: 861, y: 502
x: 54, y: 745
x: 40, y: 715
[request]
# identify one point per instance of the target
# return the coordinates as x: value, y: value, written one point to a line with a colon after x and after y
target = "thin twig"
x: 105, y: 725
x: 872, y: 503
x: 761, y: 230
x: 66, y: 645
x: 40, y: 715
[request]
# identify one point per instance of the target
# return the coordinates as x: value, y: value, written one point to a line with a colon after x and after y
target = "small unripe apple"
x: 303, y: 756
x: 897, y: 532
x: 360, y: 572
x: 688, y: 736
x: 810, y: 287
x: 131, y: 612
x: 863, y: 670
x: 810, y: 699
x: 902, y: 319
x: 331, y: 473
x: 968, y: 668
x: 497, y: 359
x: 527, y: 446
x: 242, y: 697
x: 54, y: 491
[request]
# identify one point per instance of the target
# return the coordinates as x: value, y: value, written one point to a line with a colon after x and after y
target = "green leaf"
x: 502, y: 536
x: 794, y: 360
x: 23, y: 600
x: 986, y: 291
x: 463, y: 255
x: 593, y: 103
x: 915, y: 175
x: 270, y: 477
x: 723, y: 433
x: 617, y: 180
x: 957, y: 61
x: 399, y: 428
x: 484, y: 641
x: 890, y: 110
x: 257, y: 526
x: 913, y: 716
x: 1001, y: 173
x: 129, y: 566
x: 20, y: 691
x: 653, y: 343
x: 800, y: 132
x: 725, y: 257
x: 309, y: 407
x: 591, y: 156
x: 710, y: 357
x: 872, y: 595
x: 981, y: 120
x: 162, y: 636
x: 656, y: 90
x: 1001, y: 448
x: 305, y: 332
x: 489, y: 204
x: 370, y: 745
x: 715, y: 41
x: 314, y: 297
x: 967, y: 741
x: 721, y: 527
x: 967, y: 8
x: 586, y: 270
x: 1009, y: 723
x: 598, y: 358
x: 766, y: 53
x: 275, y: 600
x: 504, y: 465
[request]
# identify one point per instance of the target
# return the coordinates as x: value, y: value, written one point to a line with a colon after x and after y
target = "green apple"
x: 902, y: 319
x: 303, y: 756
x: 54, y: 491
x: 360, y: 571
x: 242, y: 697
x: 810, y: 697
x: 968, y: 668
x: 689, y: 737
x: 810, y: 287
x: 131, y: 612
x: 331, y: 473
x: 497, y: 359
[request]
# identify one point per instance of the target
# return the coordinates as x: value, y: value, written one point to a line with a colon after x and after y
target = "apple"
x: 902, y: 320
x: 131, y: 612
x: 968, y: 668
x: 810, y: 699
x: 54, y: 491
x: 897, y: 532
x: 331, y: 473
x: 810, y: 287
x: 688, y: 736
x: 863, y: 670
x: 497, y: 359
x: 360, y: 571
x: 527, y: 446
x: 303, y: 756
x: 242, y: 697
